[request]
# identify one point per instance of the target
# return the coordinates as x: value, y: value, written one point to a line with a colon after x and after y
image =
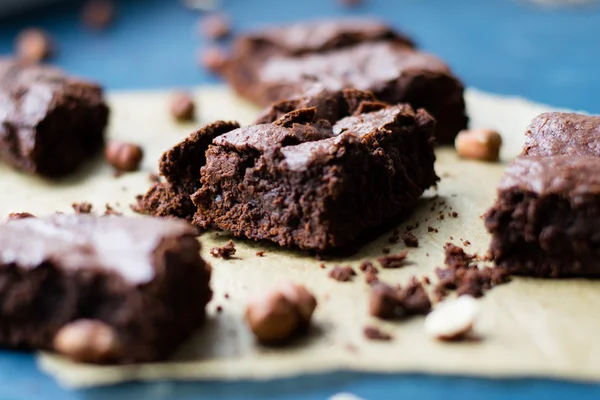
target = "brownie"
x: 180, y: 166
x: 50, y: 123
x: 546, y: 219
x: 560, y: 133
x: 142, y: 277
x: 285, y: 62
x: 302, y: 182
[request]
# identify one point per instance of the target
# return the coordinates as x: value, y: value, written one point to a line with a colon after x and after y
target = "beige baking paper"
x: 527, y: 327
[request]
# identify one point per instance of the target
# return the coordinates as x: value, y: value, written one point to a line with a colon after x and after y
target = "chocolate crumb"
x: 466, y: 243
x: 454, y: 214
x: 430, y: 229
x: 224, y: 252
x: 322, y: 266
x: 108, y: 210
x: 260, y: 253
x: 410, y: 240
x: 219, y: 309
x: 426, y: 280
x: 373, y: 333
x: 371, y: 277
x: 389, y: 302
x: 82, y: 208
x: 18, y: 215
x: 393, y: 260
x: 455, y: 257
x: 342, y: 274
x: 226, y: 295
x: 386, y: 250
x: 394, y: 239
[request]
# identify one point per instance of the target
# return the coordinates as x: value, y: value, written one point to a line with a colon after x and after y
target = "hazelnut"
x: 305, y: 302
x: 215, y: 26
x: 272, y: 317
x: 213, y: 59
x: 87, y: 340
x: 479, y: 144
x: 98, y: 14
x: 452, y: 319
x: 18, y: 215
x: 182, y: 106
x: 123, y: 156
x: 33, y: 46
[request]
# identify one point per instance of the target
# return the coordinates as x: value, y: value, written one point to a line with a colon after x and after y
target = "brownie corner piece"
x: 141, y: 278
x: 545, y: 219
x: 50, y: 123
x: 313, y: 185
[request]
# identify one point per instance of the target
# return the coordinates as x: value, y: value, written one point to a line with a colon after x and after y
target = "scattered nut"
x: 278, y: 315
x: 452, y: 319
x: 302, y: 298
x: 225, y: 252
x: 123, y: 156
x: 272, y: 317
x: 215, y: 26
x: 479, y: 144
x: 89, y: 341
x: 33, y: 46
x: 98, y: 14
x: 18, y: 215
x: 213, y: 59
x: 182, y: 106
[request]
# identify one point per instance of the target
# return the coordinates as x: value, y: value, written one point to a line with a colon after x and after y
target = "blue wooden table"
x: 503, y: 46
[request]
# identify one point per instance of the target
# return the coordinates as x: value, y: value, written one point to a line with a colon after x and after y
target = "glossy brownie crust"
x: 284, y: 63
x: 546, y: 219
x: 305, y: 183
x: 141, y: 276
x: 50, y: 123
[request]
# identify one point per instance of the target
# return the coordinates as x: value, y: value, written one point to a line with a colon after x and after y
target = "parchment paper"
x: 527, y: 327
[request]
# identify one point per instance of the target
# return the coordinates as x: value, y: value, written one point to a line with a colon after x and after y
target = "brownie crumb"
x: 389, y: 302
x: 394, y: 260
x: 456, y: 257
x: 226, y: 295
x: 224, y: 252
x: 153, y: 178
x: 410, y: 240
x: 466, y: 243
x: 108, y: 210
x: 82, y: 208
x: 215, y: 26
x: 98, y: 14
x: 373, y: 333
x: 18, y: 215
x: 322, y: 266
x: 219, y: 309
x: 431, y: 229
x: 426, y: 280
x: 365, y: 266
x: 371, y: 277
x: 395, y: 238
x: 342, y: 274
x: 386, y: 250
x: 454, y: 214
x: 260, y: 253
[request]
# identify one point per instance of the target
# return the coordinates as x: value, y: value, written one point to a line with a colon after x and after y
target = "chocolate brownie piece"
x: 560, y: 133
x: 180, y: 166
x: 283, y: 63
x: 142, y: 277
x: 546, y: 219
x: 50, y: 123
x: 305, y: 183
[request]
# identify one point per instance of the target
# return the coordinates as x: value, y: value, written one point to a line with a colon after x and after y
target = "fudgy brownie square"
x: 302, y: 182
x: 557, y: 133
x: 141, y: 279
x: 50, y: 123
x: 546, y: 219
x: 282, y: 63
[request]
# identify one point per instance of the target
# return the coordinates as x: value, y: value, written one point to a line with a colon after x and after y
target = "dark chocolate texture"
x: 285, y: 63
x: 142, y: 277
x: 546, y: 217
x: 50, y: 123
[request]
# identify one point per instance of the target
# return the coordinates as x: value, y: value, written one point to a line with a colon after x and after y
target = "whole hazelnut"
x: 123, y: 156
x: 89, y: 341
x: 272, y: 317
x: 182, y: 106
x: 479, y: 144
x: 305, y: 302
x: 33, y: 46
